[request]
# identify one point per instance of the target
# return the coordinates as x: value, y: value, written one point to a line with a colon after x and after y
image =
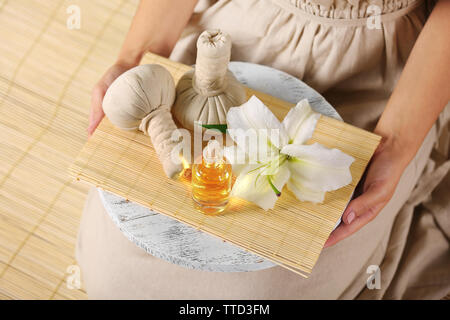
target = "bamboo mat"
x: 46, y: 75
x: 291, y: 235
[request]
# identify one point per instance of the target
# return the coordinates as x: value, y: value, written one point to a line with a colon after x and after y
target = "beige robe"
x: 329, y: 45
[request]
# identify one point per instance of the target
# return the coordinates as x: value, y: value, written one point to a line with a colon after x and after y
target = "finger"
x: 345, y: 230
x: 96, y: 113
x: 375, y: 195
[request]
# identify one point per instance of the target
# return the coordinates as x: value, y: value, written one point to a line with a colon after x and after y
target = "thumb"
x: 373, y: 199
x: 96, y: 114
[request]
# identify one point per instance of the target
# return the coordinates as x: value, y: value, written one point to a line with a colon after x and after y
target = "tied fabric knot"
x: 211, y: 68
x: 143, y: 126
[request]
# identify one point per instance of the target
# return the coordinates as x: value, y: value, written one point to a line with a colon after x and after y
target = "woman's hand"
x: 383, y: 174
x: 419, y: 96
x: 155, y: 28
x: 96, y: 114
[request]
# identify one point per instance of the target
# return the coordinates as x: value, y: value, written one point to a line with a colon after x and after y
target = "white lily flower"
x: 279, y: 155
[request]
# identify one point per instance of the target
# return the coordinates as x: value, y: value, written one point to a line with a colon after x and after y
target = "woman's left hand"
x: 383, y: 174
x: 413, y: 107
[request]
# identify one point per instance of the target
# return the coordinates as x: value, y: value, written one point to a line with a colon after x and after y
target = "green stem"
x: 277, y: 192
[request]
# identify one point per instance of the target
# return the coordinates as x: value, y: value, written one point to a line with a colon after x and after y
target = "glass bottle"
x: 211, y: 180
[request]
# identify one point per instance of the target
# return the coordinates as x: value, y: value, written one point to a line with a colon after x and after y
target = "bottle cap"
x: 213, y: 152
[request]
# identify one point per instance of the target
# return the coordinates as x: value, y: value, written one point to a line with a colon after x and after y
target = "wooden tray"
x: 291, y: 235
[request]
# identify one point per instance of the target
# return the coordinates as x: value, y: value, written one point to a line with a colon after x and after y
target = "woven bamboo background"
x: 46, y: 75
x: 292, y: 234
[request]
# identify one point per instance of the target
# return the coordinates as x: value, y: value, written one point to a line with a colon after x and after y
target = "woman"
x: 389, y: 73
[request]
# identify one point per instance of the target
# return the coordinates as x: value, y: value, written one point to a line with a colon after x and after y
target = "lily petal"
x: 300, y: 122
x: 318, y: 167
x: 256, y: 117
x: 237, y: 158
x: 252, y: 185
x: 303, y: 193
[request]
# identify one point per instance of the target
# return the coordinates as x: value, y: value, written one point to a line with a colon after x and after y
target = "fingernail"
x: 350, y: 217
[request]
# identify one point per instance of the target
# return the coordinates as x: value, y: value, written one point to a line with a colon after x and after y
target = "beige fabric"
x: 355, y: 68
x: 142, y: 98
x: 206, y: 93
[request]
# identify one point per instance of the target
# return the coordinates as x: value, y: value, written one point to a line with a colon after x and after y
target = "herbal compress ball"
x: 207, y: 92
x: 141, y: 98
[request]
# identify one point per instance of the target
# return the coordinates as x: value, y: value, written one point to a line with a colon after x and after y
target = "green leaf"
x: 221, y: 127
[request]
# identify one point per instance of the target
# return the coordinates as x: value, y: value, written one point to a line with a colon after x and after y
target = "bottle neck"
x: 213, y: 154
x: 214, y: 164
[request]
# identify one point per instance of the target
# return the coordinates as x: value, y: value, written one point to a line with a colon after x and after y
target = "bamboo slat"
x: 291, y: 235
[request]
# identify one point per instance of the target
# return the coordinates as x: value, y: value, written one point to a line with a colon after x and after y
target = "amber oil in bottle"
x: 211, y: 180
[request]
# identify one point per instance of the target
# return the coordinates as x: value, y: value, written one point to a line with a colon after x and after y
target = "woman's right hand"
x: 96, y: 114
x: 156, y: 28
